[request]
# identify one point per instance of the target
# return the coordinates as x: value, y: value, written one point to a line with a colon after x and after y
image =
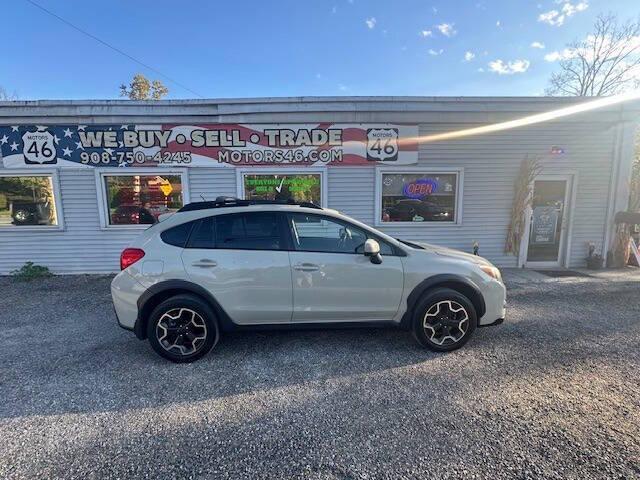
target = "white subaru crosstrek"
x: 233, y: 264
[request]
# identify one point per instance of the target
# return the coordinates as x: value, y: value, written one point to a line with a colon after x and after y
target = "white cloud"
x: 560, y: 55
x: 509, y: 68
x: 435, y: 53
x: 498, y: 24
x: 446, y: 29
x: 481, y: 70
x: 342, y: 88
x: 468, y: 56
x: 586, y: 49
x: 426, y: 33
x: 557, y: 18
x: 539, y: 45
x: 371, y: 22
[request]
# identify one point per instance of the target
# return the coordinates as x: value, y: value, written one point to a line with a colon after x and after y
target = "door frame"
x: 566, y: 232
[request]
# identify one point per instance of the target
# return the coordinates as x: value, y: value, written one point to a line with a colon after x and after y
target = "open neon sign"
x: 419, y: 188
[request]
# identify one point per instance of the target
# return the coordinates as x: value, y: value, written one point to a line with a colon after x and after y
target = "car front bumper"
x: 495, y: 298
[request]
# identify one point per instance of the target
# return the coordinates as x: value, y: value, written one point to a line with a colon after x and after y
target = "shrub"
x: 29, y: 271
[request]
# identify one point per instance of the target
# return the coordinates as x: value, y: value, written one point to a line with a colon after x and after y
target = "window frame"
x: 242, y: 172
x: 101, y: 190
x: 289, y: 219
x: 57, y: 198
x: 458, y: 211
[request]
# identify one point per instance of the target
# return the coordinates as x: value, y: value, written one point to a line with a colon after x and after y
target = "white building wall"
x: 490, y: 164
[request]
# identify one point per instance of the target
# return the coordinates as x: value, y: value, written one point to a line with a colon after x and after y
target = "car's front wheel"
x: 182, y: 328
x: 444, y: 320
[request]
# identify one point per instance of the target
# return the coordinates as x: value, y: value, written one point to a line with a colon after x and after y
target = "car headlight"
x: 492, y: 271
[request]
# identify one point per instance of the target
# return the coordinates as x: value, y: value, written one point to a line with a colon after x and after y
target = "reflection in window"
x: 141, y: 199
x: 419, y: 197
x: 27, y: 201
x: 300, y: 187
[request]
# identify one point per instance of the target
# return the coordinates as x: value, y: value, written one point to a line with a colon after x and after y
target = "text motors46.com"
x: 279, y: 156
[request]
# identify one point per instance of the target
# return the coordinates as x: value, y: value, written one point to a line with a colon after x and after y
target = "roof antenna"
x: 202, y: 197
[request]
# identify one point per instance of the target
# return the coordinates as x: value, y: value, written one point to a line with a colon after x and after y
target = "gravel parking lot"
x: 552, y: 393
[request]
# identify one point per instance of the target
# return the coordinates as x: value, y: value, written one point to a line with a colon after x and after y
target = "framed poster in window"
x: 299, y: 185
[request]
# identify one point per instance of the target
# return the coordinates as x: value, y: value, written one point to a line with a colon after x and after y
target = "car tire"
x: 444, y: 320
x: 183, y: 328
x: 22, y: 216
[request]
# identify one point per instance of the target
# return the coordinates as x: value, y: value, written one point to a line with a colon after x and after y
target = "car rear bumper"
x: 125, y: 291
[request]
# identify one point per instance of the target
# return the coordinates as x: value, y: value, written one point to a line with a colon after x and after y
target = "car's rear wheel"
x: 21, y: 216
x: 444, y: 320
x: 182, y: 328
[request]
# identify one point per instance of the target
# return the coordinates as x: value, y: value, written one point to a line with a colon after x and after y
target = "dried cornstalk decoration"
x: 523, y: 196
x: 621, y: 250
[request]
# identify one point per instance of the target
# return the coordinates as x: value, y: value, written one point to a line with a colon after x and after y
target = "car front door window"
x: 314, y: 233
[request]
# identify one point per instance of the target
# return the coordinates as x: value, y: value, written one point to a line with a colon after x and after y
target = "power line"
x: 115, y: 49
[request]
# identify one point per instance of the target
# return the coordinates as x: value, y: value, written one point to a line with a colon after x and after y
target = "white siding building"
x: 80, y: 179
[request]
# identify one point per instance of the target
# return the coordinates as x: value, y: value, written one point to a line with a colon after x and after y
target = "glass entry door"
x: 548, y: 223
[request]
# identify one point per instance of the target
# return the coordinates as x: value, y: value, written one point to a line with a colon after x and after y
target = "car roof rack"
x: 221, y: 202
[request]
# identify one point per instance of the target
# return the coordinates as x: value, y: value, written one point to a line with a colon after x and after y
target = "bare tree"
x: 606, y: 62
x: 141, y: 88
x: 6, y: 96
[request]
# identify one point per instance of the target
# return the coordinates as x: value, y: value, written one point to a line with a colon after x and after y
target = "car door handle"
x: 205, y: 263
x: 306, y: 267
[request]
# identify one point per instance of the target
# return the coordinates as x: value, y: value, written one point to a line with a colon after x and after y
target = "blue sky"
x: 283, y: 48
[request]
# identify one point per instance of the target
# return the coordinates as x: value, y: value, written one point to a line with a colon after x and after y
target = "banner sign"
x: 213, y: 145
x: 544, y: 225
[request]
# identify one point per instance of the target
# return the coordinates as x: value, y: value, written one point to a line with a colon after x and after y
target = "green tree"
x: 141, y: 88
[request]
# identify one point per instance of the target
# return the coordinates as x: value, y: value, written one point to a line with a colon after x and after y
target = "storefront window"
x: 419, y: 197
x: 141, y: 199
x: 27, y: 201
x: 300, y: 187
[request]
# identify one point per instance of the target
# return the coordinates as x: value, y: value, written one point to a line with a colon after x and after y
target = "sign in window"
x: 141, y: 199
x: 418, y: 197
x: 298, y: 187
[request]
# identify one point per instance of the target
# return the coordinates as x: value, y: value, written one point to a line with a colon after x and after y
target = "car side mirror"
x: 372, y: 250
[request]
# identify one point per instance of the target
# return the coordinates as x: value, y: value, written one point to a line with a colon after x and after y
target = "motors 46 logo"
x: 39, y: 148
x: 382, y: 144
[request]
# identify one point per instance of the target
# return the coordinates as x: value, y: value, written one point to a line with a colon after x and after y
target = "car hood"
x: 452, y: 253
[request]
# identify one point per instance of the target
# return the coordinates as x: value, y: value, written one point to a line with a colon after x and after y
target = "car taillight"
x: 129, y: 256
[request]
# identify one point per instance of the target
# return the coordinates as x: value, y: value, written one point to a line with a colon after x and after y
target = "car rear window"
x: 177, y: 235
x: 248, y: 231
x: 203, y: 234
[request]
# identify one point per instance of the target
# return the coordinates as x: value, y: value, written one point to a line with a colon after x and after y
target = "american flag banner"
x: 220, y: 145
